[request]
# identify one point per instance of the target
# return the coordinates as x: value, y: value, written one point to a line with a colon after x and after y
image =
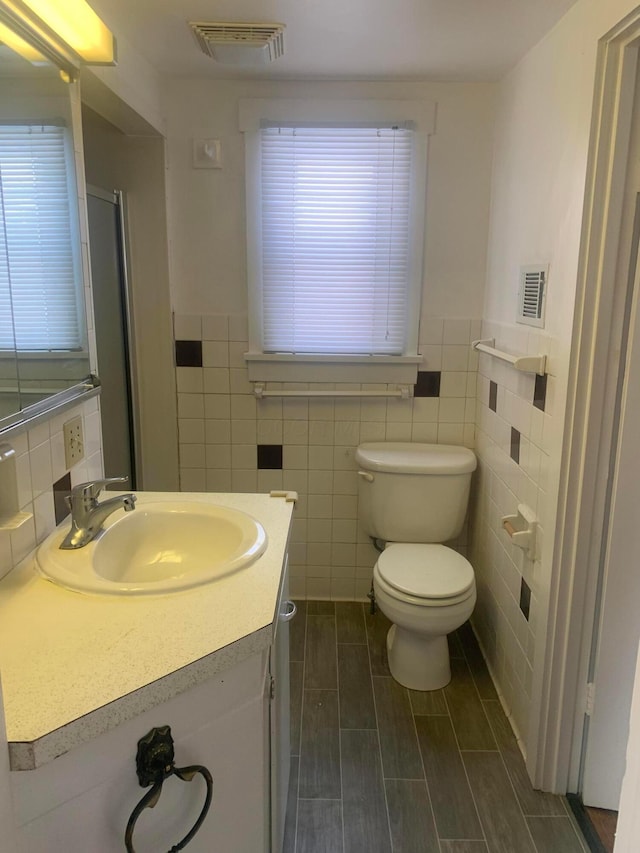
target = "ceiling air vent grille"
x: 240, y: 43
x: 531, y: 296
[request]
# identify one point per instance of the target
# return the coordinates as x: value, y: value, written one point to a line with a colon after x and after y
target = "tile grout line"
x: 375, y: 711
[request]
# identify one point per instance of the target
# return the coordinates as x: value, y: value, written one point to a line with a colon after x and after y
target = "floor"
x: 604, y: 823
x: 377, y: 768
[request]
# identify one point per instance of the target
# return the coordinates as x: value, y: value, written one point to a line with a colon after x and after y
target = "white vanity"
x: 86, y: 676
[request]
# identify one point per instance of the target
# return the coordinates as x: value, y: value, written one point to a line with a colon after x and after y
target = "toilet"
x: 412, y: 498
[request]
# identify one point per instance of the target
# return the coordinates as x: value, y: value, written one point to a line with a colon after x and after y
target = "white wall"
x: 541, y: 146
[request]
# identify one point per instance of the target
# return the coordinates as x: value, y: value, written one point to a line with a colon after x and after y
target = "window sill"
x: 332, y: 368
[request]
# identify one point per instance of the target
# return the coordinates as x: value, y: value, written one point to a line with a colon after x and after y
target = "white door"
x: 619, y: 624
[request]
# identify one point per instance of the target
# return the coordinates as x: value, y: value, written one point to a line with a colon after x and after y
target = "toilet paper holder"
x: 522, y: 529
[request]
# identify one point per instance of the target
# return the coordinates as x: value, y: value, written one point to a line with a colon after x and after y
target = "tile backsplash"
x: 231, y: 441
x: 39, y: 463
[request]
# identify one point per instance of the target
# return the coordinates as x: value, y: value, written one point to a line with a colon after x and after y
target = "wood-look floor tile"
x: 410, y: 817
x: 350, y: 622
x: 398, y: 742
x: 467, y: 712
x: 357, y: 710
x: 377, y: 629
x: 288, y: 845
x: 319, y: 826
x: 454, y: 642
x: 555, y: 835
x: 366, y: 827
x: 532, y: 802
x: 297, y: 631
x: 453, y: 805
x: 428, y: 702
x: 320, y: 746
x: 321, y: 667
x: 463, y: 847
x: 504, y: 825
x: 321, y: 608
x: 476, y: 662
x: 295, y: 682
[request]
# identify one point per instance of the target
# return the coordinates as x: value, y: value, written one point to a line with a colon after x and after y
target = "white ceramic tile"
x: 239, y: 381
x: 398, y: 432
x: 244, y: 480
x: 217, y: 406
x: 243, y: 456
x: 295, y: 432
x: 41, y: 470
x: 318, y: 589
x: 187, y: 327
x: 243, y: 432
x: 218, y: 455
x: 321, y: 432
x: 6, y: 561
x: 242, y: 407
x: 216, y: 380
x: 189, y: 380
x: 295, y: 456
x: 192, y: 456
x: 191, y: 430
x: 238, y: 327
x: 452, y: 384
x: 455, y: 357
x: 456, y: 331
x: 372, y: 431
x: 218, y: 480
x: 270, y: 409
x: 320, y: 458
x: 190, y: 406
x: 270, y: 480
x: 44, y: 516
x: 215, y: 327
x: 216, y: 354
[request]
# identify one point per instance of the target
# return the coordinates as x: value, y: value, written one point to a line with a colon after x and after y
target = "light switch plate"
x: 73, y: 441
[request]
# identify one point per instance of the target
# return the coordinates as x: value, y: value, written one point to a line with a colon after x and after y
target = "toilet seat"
x: 431, y: 575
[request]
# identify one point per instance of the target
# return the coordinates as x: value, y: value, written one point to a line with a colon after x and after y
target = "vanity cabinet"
x: 236, y: 724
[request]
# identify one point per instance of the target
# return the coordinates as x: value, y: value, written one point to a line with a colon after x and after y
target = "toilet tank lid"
x: 415, y: 458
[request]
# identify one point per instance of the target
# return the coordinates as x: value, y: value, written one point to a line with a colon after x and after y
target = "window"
x: 40, y: 306
x: 335, y: 230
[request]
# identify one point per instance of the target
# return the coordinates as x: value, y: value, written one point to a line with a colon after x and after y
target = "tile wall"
x: 514, y: 425
x: 229, y: 441
x: 38, y: 464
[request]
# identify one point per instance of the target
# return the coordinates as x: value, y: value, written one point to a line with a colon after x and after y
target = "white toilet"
x: 413, y: 496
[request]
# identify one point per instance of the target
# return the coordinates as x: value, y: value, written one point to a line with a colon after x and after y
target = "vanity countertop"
x: 74, y: 666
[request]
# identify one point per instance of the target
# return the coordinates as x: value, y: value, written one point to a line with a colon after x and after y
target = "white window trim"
x: 331, y: 368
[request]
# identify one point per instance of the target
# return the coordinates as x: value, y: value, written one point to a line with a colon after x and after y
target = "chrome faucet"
x: 87, y: 515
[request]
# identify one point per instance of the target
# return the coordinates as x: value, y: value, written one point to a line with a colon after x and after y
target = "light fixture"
x: 21, y: 47
x: 66, y: 32
x: 239, y: 43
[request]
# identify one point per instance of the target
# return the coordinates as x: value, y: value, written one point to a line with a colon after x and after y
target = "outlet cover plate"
x: 73, y: 441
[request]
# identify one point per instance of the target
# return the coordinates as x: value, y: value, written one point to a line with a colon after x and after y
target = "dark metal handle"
x: 154, y: 766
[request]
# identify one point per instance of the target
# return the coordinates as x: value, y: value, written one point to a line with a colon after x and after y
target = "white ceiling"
x: 347, y: 39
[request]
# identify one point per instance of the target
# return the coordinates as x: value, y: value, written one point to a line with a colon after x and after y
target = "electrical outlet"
x: 73, y: 441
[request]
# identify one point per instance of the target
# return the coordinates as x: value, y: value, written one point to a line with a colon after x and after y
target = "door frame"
x: 588, y: 429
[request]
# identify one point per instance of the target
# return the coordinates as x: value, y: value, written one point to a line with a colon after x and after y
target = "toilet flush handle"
x: 366, y: 476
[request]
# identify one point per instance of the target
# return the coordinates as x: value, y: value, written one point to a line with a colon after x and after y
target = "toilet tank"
x: 410, y: 492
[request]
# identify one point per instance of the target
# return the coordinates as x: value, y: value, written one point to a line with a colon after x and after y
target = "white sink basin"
x: 160, y: 547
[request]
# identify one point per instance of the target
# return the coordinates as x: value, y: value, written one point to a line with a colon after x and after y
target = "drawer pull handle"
x: 289, y: 611
x: 154, y: 764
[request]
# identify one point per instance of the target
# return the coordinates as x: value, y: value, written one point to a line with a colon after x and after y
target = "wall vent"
x: 532, y: 295
x: 240, y: 43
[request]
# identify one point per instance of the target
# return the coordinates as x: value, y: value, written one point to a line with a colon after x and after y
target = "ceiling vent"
x: 532, y: 295
x: 240, y: 43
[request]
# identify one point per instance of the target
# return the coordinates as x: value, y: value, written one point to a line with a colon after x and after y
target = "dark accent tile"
x: 350, y: 622
x: 398, y: 744
x: 319, y: 826
x: 428, y: 384
x: 515, y: 445
x: 321, y: 669
x: 270, y: 457
x: 377, y: 629
x: 296, y: 671
x: 61, y: 488
x: 320, y: 746
x: 555, y: 835
x: 428, y: 702
x: 504, y: 825
x: 366, y: 826
x: 525, y: 598
x: 477, y: 665
x: 321, y: 608
x: 410, y: 819
x: 453, y: 805
x: 291, y: 816
x: 188, y: 353
x: 357, y: 710
x: 540, y: 392
x: 463, y: 846
x: 467, y: 713
x: 297, y: 632
x: 531, y: 802
x: 493, y: 396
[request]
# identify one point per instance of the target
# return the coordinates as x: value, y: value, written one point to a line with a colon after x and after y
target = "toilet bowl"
x: 427, y: 591
x: 414, y: 497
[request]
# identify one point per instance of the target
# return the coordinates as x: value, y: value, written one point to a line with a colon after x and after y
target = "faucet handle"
x: 92, y: 489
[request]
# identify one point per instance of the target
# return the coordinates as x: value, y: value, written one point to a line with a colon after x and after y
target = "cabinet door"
x: 280, y: 713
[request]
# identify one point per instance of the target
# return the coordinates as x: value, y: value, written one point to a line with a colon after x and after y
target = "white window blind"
x: 336, y: 253
x: 39, y: 305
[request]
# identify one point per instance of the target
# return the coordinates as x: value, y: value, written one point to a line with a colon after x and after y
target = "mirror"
x: 43, y: 335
